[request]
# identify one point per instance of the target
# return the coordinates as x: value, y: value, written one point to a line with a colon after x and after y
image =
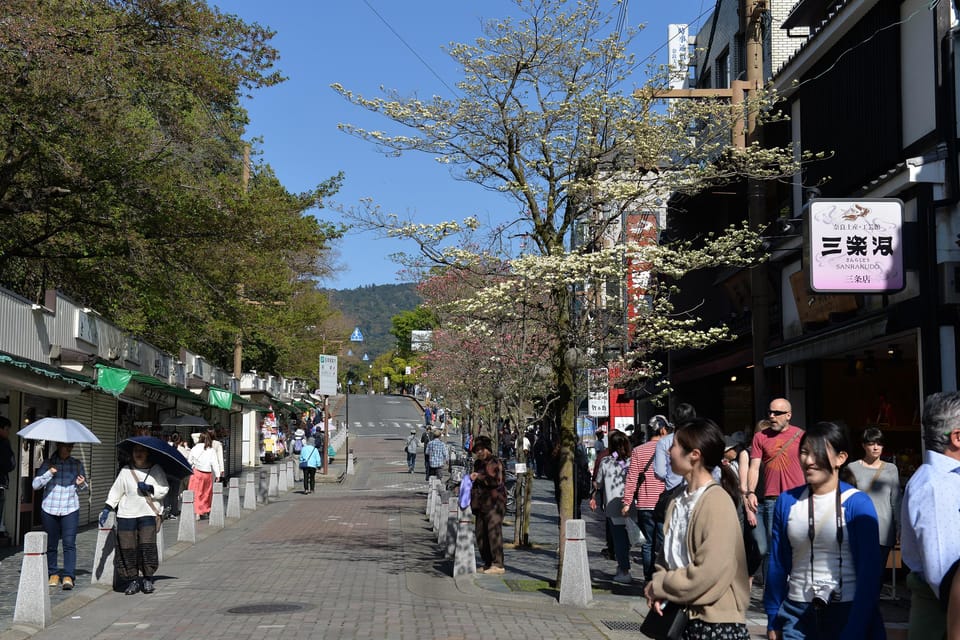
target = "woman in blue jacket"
x: 823, y: 579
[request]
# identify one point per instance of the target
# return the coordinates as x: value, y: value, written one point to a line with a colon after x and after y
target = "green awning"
x: 48, y: 371
x: 220, y: 398
x: 115, y: 380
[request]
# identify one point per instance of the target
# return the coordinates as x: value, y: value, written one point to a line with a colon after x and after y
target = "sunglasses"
x: 777, y: 413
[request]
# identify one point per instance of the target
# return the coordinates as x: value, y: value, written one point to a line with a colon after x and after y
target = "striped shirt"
x: 60, y: 489
x: 652, y: 487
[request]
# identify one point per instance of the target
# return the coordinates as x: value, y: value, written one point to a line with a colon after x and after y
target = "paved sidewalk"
x: 353, y: 560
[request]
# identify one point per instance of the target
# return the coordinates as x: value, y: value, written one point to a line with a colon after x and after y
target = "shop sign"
x: 328, y: 375
x: 856, y: 245
x: 598, y: 403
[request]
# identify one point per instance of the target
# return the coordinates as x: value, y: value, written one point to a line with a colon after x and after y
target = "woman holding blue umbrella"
x: 137, y: 496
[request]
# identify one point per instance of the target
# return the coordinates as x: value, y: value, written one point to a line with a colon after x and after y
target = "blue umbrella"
x: 54, y: 429
x: 161, y: 453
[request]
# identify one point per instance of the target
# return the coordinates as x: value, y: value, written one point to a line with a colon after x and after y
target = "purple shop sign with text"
x: 856, y: 245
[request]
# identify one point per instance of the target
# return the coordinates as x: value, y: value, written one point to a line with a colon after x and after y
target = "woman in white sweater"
x: 206, y: 467
x: 137, y: 496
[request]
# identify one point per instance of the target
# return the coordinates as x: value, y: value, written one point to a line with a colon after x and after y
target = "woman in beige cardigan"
x: 703, y: 565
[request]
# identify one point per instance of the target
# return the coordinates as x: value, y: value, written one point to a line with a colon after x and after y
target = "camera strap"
x: 811, y: 533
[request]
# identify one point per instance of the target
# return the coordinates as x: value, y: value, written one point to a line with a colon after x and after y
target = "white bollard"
x: 159, y: 541
x: 575, y: 588
x: 465, y: 556
x: 350, y: 470
x: 272, y: 488
x: 216, y: 507
x: 103, y: 555
x: 33, y: 597
x: 282, y: 479
x: 250, y: 492
x: 291, y: 473
x: 450, y: 540
x: 449, y: 508
x: 233, y: 498
x: 187, y: 530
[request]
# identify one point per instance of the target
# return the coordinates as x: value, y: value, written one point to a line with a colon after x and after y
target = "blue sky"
x: 345, y: 41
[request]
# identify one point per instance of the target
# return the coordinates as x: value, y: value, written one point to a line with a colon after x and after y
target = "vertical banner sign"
x: 328, y: 375
x: 642, y: 229
x: 598, y: 405
x: 856, y: 246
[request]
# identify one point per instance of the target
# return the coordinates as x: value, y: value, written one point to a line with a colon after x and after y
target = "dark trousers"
x: 309, y: 478
x: 649, y: 529
x: 490, y: 537
x: 137, y: 547
x: 61, y: 528
x: 411, y: 461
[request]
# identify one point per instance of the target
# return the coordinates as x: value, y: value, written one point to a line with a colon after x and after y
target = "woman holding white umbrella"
x: 62, y: 478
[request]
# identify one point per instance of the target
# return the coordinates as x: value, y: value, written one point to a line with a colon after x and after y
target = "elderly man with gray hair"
x: 930, y: 518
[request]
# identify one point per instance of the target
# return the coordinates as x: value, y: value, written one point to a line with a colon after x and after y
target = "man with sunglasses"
x: 776, y: 452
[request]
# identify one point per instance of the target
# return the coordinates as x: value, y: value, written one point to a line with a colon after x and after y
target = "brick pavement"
x: 354, y: 560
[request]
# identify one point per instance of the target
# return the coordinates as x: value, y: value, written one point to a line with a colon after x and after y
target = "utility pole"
x: 751, y: 12
x: 238, y: 342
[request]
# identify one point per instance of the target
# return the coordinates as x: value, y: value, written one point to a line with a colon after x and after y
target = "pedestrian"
x: 7, y: 464
x: 881, y: 481
x: 774, y: 456
x: 309, y: 463
x: 410, y: 447
x: 172, y: 500
x: 823, y: 578
x: 612, y: 477
x: 436, y: 455
x: 930, y: 519
x: 644, y: 486
x: 62, y: 478
x: 137, y: 495
x: 424, y: 441
x: 203, y: 458
x: 488, y: 501
x: 703, y: 565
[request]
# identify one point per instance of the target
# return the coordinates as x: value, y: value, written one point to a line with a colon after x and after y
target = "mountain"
x: 371, y: 308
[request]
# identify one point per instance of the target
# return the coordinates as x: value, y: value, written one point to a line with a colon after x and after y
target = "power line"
x: 412, y: 50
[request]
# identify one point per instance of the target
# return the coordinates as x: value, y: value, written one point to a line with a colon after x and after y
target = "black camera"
x: 824, y: 594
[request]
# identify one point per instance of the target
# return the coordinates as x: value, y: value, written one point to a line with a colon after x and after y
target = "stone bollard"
x: 263, y: 486
x: 432, y: 495
x: 272, y: 488
x: 103, y: 554
x: 450, y: 540
x: 250, y: 492
x: 159, y: 542
x: 187, y: 530
x: 233, y: 498
x: 216, y: 507
x: 465, y: 556
x: 448, y: 509
x: 350, y: 469
x: 282, y: 487
x: 33, y: 597
x: 291, y: 476
x: 575, y: 589
x: 439, y: 513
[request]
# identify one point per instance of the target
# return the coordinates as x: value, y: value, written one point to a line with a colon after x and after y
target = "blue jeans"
x: 411, y: 461
x: 61, y: 528
x: 649, y: 529
x: 763, y: 532
x: 803, y: 621
x: 621, y: 546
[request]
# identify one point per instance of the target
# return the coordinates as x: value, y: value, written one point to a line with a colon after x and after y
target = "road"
x: 355, y: 560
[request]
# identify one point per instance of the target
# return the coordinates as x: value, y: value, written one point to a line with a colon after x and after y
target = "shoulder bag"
x: 149, y: 500
x: 669, y: 626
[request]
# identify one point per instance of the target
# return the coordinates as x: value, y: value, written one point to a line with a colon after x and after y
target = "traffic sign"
x: 356, y: 336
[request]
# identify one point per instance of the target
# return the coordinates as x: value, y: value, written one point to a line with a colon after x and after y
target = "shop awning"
x: 828, y: 343
x: 115, y: 380
x: 220, y: 398
x: 53, y: 381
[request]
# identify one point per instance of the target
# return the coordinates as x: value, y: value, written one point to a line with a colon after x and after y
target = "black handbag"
x: 669, y: 626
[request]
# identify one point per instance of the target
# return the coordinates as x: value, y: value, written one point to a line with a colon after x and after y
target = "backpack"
x: 297, y: 445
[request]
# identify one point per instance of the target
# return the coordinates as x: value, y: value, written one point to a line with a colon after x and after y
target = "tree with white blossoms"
x: 551, y: 112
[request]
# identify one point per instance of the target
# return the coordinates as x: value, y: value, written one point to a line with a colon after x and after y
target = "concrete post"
x: 216, y: 507
x: 233, y: 498
x: 187, y: 531
x: 291, y: 476
x: 350, y: 469
x: 250, y: 492
x: 282, y: 478
x: 33, y: 597
x: 575, y: 589
x: 450, y: 508
x: 160, y: 543
x: 273, y: 487
x: 263, y: 486
x: 439, y: 513
x: 103, y: 572
x: 449, y: 542
x: 465, y: 556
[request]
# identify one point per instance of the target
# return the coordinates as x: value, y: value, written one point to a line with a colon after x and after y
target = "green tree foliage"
x: 404, y: 324
x: 121, y: 175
